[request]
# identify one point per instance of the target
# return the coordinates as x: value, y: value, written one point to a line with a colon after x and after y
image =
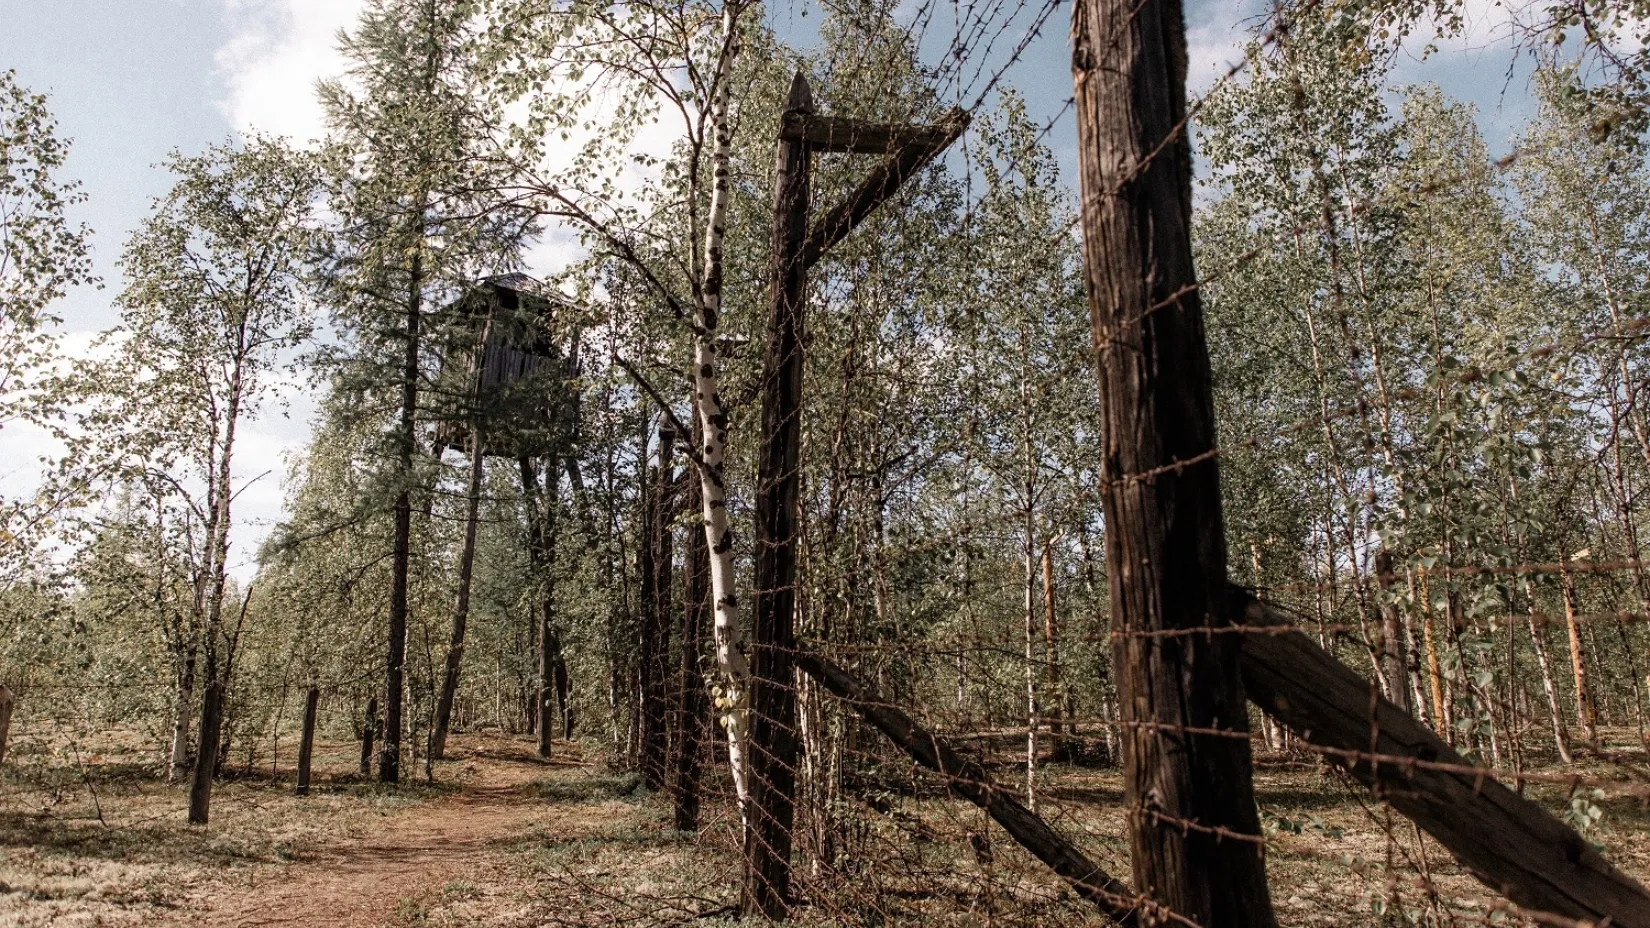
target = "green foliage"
x: 42, y: 255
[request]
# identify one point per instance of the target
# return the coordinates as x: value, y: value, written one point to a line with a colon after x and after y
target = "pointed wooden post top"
x: 801, y: 98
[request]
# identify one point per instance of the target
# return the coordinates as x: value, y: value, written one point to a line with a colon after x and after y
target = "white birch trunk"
x: 183, y: 705
x: 734, y: 699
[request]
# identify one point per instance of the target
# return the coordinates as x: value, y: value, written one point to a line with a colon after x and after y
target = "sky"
x: 131, y: 80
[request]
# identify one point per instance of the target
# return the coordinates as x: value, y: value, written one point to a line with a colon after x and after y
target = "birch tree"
x: 209, y: 324
x: 625, y: 66
x: 42, y: 254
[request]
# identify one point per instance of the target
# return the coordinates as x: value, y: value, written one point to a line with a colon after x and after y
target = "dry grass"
x: 509, y: 841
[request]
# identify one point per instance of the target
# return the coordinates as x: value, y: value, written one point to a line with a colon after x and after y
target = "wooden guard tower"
x: 508, y: 371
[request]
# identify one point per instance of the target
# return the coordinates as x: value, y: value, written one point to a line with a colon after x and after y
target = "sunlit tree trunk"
x: 733, y: 700
x: 1586, y: 706
x: 1561, y: 736
x: 1056, y: 702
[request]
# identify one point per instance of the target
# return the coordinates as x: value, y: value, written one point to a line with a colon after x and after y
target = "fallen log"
x: 965, y: 778
x: 1512, y: 845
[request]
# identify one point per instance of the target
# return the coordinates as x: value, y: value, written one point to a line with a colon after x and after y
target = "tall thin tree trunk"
x: 1051, y: 654
x: 1393, y: 650
x: 8, y: 703
x: 389, y: 755
x: 1194, y: 828
x: 461, y: 610
x: 183, y: 706
x: 541, y: 552
x: 1538, y: 634
x: 1586, y: 707
x: 220, y: 494
x: 369, y: 727
x: 734, y: 698
x: 1029, y: 589
x: 206, y: 758
x: 653, y: 664
x: 306, y: 738
x: 1442, y: 715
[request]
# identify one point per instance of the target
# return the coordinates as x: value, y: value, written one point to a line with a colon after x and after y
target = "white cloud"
x: 278, y: 50
x: 1216, y: 34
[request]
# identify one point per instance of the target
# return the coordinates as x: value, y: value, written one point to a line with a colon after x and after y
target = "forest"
x: 1205, y: 504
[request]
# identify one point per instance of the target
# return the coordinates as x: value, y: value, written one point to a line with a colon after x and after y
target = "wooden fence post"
x: 693, y: 706
x: 7, y: 703
x: 654, y: 656
x: 1195, y: 833
x: 796, y: 248
x: 306, y: 743
x: 369, y: 725
x: 773, y: 684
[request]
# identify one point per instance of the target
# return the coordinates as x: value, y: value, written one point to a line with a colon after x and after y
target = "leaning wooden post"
x: 306, y: 743
x: 1507, y: 841
x: 968, y: 779
x: 7, y: 703
x: 778, y: 517
x: 369, y: 726
x: 1194, y: 830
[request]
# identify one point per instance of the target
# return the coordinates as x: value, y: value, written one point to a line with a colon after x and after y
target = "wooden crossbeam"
x: 919, y: 146
x: 858, y: 136
x: 1512, y: 845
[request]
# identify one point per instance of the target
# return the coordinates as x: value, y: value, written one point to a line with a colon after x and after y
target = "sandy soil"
x: 398, y: 866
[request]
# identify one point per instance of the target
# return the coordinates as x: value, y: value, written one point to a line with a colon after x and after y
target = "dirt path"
x: 388, y: 872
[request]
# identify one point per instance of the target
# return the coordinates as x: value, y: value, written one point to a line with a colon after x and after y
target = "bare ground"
x: 351, y: 855
x: 394, y: 868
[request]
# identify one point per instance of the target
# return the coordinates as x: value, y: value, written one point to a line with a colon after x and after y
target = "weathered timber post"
x: 369, y: 726
x: 797, y: 247
x: 654, y: 663
x: 692, y: 707
x: 8, y: 702
x: 1195, y: 835
x: 306, y: 742
x: 778, y: 518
